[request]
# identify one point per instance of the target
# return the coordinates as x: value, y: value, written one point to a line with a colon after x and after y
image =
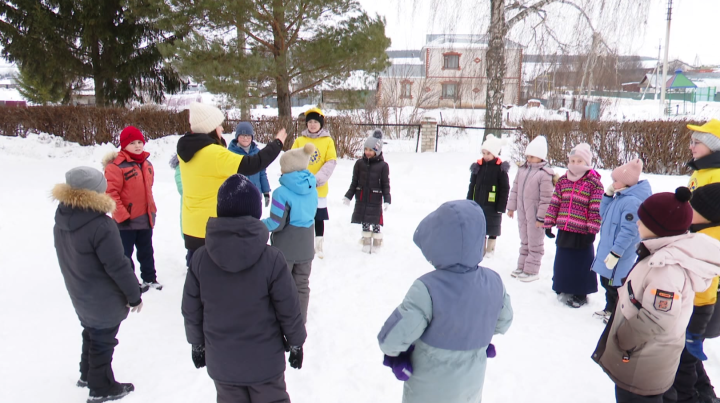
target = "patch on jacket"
x: 663, y: 300
x: 629, y: 217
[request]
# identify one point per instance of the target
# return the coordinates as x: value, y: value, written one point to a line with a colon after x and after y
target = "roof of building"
x: 464, y: 40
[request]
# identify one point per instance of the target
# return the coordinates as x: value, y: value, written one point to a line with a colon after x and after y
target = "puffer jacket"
x: 706, y: 170
x: 532, y: 191
x: 98, y: 276
x: 641, y: 346
x: 371, y: 188
x: 618, y: 232
x: 490, y: 187
x: 259, y: 179
x: 130, y: 184
x: 705, y: 319
x: 450, y: 334
x: 323, y: 161
x: 575, y: 206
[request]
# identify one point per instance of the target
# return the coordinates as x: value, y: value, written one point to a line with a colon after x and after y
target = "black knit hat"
x: 667, y: 214
x: 315, y: 116
x: 238, y: 197
x: 706, y: 201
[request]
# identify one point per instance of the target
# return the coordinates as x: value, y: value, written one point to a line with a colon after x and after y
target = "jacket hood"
x: 641, y: 191
x: 235, y: 243
x: 79, y: 206
x: 299, y: 182
x: 322, y: 133
x: 706, y: 162
x: 698, y: 254
x: 237, y: 149
x: 191, y: 143
x: 453, y: 236
x: 174, y: 161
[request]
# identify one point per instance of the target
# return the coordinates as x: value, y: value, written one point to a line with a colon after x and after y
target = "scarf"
x: 139, y: 158
x: 576, y: 172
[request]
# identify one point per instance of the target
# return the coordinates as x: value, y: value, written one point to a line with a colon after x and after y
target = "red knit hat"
x: 667, y: 214
x: 130, y: 134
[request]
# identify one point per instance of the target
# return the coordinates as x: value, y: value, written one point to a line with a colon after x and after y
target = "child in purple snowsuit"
x: 530, y: 196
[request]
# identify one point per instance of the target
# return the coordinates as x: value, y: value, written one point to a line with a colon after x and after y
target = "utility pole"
x: 665, y: 65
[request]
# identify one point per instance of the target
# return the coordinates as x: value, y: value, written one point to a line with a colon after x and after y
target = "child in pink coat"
x: 530, y: 196
x: 575, y: 210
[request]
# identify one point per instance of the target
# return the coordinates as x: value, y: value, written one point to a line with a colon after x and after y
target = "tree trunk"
x: 282, y: 78
x: 495, y: 67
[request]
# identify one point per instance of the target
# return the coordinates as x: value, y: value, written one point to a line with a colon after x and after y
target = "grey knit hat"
x: 86, y: 178
x: 710, y: 140
x: 375, y: 142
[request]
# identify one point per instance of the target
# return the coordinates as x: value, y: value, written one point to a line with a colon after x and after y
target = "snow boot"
x: 118, y: 391
x: 377, y: 241
x: 319, y: 247
x: 527, y: 277
x: 602, y: 314
x: 143, y: 288
x: 367, y: 241
x: 154, y: 285
x: 490, y: 247
x: 516, y: 272
x: 576, y: 302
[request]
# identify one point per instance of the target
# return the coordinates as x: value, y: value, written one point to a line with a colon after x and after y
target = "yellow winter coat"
x: 706, y: 170
x: 324, y: 152
x: 709, y: 296
x: 201, y: 178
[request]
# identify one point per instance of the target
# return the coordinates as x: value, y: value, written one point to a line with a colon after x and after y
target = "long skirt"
x: 572, y: 271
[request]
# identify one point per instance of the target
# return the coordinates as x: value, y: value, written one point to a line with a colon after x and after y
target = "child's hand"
x: 611, y: 261
x: 610, y: 190
x: 386, y: 206
x: 549, y: 233
x: 346, y: 201
x: 267, y: 199
x: 511, y: 213
x: 539, y: 224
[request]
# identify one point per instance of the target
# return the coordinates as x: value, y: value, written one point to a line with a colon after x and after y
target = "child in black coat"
x: 490, y: 187
x: 371, y: 188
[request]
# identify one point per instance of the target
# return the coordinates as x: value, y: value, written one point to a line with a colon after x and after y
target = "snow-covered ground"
x: 545, y: 356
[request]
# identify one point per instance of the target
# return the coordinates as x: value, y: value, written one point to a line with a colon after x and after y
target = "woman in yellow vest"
x: 205, y: 165
x: 322, y: 165
x: 705, y: 147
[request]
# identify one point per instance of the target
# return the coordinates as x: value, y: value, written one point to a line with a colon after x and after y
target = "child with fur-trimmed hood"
x: 371, y: 188
x: 490, y: 187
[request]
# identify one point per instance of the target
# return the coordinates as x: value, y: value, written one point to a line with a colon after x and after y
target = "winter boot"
x: 154, y: 285
x: 377, y: 240
x: 319, y: 247
x: 367, y: 241
x: 576, y: 302
x: 118, y: 391
x: 490, y: 247
x: 516, y: 272
x: 602, y: 314
x: 527, y: 277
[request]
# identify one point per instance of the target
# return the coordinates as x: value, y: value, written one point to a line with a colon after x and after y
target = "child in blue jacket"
x: 292, y: 218
x: 244, y: 144
x: 619, y: 235
x: 438, y: 339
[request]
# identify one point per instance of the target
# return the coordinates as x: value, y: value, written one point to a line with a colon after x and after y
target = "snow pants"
x: 98, y: 347
x: 611, y: 294
x: 301, y: 275
x: 142, y: 239
x: 272, y: 391
x: 532, y: 244
x: 691, y: 380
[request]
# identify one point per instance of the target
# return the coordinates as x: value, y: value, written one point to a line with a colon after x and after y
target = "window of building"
x: 406, y: 89
x: 451, y: 61
x: 449, y: 91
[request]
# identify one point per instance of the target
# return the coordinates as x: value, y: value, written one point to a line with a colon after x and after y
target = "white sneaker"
x: 602, y: 315
x: 526, y: 278
x: 516, y: 272
x: 319, y: 247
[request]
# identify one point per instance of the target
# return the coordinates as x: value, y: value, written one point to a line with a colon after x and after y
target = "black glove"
x: 267, y: 199
x: 296, y: 357
x: 549, y: 234
x: 198, y: 355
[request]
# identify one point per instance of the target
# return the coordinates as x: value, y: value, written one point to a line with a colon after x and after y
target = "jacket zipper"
x: 572, y: 195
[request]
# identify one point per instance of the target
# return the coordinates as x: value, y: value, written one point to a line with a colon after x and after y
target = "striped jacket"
x: 575, y: 206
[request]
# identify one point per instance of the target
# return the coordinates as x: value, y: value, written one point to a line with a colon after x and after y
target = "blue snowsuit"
x: 450, y: 314
x: 619, y: 232
x: 259, y: 179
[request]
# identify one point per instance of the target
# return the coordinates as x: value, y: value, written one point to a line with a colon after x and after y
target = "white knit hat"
x: 297, y: 159
x: 493, y: 144
x: 537, y: 148
x: 204, y: 118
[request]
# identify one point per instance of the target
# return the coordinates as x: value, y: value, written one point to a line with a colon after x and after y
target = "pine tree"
x: 256, y: 48
x: 112, y: 42
x: 42, y: 91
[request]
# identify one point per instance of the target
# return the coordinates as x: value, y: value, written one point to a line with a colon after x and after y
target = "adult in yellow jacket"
x: 205, y: 165
x: 322, y: 165
x: 691, y: 381
x: 705, y: 147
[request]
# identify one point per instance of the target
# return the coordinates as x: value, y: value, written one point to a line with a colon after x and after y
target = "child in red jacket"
x: 130, y: 178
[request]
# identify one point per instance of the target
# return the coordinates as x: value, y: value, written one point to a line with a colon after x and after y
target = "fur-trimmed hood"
x: 79, y: 206
x: 108, y: 158
x: 118, y: 157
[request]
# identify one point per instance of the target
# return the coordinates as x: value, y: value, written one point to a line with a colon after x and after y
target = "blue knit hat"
x: 245, y: 129
x: 238, y: 197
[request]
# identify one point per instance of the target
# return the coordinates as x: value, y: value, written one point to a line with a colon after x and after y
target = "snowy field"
x: 544, y: 357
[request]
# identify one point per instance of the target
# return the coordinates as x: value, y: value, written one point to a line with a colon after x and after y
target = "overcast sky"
x: 695, y: 30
